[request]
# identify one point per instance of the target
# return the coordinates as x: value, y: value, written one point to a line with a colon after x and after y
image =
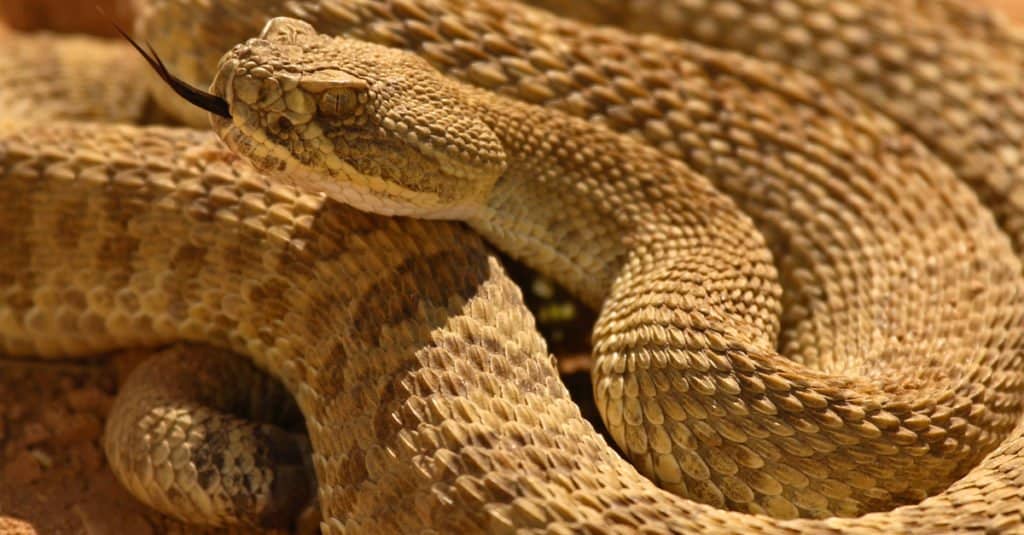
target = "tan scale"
x: 878, y: 358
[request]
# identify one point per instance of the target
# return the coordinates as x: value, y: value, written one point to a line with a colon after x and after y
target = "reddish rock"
x: 90, y: 399
x: 23, y: 469
x: 77, y: 428
x: 34, y: 433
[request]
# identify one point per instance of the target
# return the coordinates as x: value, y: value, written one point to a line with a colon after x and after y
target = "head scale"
x: 374, y: 127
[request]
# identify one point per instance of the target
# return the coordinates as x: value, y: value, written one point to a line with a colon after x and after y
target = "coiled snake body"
x: 894, y: 298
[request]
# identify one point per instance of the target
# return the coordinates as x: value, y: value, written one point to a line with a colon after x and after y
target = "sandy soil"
x: 53, y: 477
x: 53, y: 474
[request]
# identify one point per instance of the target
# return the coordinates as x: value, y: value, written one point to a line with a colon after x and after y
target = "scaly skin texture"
x: 471, y: 432
x: 74, y: 78
x: 392, y: 382
x: 167, y: 436
x: 685, y: 373
x: 679, y: 97
x: 923, y: 63
x: 941, y: 69
x: 175, y: 428
x: 962, y: 495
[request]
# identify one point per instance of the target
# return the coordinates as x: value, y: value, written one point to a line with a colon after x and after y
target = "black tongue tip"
x: 207, y: 101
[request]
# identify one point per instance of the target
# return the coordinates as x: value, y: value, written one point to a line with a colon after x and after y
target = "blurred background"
x: 1014, y: 8
x: 82, y: 15
x: 66, y: 15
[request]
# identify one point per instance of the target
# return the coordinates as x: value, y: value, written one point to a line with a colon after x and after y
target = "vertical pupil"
x: 336, y: 102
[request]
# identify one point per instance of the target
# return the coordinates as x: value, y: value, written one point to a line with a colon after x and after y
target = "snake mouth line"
x: 203, y: 99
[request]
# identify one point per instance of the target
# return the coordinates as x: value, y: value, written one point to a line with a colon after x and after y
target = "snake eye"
x: 338, y: 94
x: 338, y: 102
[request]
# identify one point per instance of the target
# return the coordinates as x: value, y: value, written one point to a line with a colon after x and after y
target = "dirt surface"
x: 53, y: 476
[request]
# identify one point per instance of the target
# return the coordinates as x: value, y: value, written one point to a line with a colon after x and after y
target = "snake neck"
x: 597, y: 212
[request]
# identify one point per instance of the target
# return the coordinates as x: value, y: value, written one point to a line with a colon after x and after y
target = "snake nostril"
x: 284, y: 123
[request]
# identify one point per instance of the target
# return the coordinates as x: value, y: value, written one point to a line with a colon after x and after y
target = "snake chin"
x: 339, y: 180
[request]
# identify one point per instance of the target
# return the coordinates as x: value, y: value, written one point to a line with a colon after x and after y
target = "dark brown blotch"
x: 397, y: 298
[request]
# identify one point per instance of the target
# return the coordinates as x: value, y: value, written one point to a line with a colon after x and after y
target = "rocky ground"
x: 53, y: 477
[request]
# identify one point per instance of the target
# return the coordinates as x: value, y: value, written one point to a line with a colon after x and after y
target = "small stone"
x: 126, y: 361
x: 16, y: 412
x: 77, y: 428
x: 87, y: 457
x: 66, y: 383
x: 23, y: 469
x: 101, y: 517
x: 90, y: 399
x: 45, y: 460
x: 34, y: 433
x: 53, y: 417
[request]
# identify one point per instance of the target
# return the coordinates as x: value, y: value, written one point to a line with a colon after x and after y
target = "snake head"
x: 374, y: 127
